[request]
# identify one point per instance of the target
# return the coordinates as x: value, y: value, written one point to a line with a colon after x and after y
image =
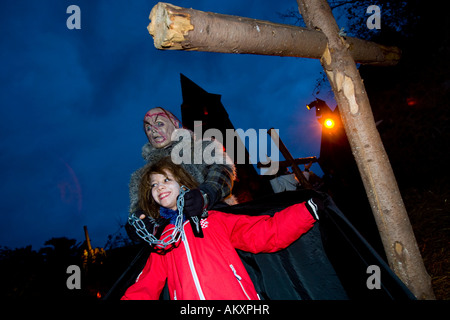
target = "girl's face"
x: 165, y: 189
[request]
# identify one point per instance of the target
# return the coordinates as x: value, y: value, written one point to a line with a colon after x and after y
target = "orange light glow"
x: 328, y: 123
x: 411, y: 101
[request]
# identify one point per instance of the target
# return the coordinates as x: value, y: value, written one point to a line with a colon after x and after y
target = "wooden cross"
x: 178, y: 28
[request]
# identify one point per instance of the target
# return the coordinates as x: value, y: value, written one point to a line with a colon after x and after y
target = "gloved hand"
x: 315, y: 206
x: 193, y: 203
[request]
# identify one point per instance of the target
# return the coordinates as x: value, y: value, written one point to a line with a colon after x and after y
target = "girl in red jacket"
x: 207, y: 267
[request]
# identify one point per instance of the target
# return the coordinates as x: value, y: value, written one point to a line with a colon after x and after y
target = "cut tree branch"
x: 176, y: 28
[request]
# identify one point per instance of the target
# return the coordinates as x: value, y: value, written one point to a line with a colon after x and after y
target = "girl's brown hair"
x: 146, y: 201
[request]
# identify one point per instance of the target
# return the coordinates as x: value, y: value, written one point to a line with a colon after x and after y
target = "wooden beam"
x: 287, y: 155
x: 376, y: 172
x: 176, y: 28
x: 285, y: 164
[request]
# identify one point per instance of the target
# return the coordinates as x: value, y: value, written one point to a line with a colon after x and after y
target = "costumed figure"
x: 206, y: 162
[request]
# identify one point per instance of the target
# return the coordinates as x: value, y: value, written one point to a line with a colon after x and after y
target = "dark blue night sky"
x: 73, y: 103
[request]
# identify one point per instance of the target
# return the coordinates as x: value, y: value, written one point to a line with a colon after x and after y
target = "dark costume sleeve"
x: 218, y: 171
x: 218, y: 183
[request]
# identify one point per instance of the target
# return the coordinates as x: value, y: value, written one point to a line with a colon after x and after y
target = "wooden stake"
x: 176, y: 28
x: 376, y: 172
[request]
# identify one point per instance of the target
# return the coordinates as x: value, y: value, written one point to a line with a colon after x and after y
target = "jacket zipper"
x: 192, y: 267
x: 238, y: 277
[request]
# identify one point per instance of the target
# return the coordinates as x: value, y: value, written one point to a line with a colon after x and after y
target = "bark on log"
x: 176, y: 28
x: 376, y: 172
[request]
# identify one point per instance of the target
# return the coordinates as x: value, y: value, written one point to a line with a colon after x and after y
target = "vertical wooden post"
x: 376, y: 172
x: 88, y: 240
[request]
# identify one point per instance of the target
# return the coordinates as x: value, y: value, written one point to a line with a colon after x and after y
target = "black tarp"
x: 330, y: 262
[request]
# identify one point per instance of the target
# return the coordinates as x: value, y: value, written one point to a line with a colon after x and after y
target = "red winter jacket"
x: 209, y: 267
